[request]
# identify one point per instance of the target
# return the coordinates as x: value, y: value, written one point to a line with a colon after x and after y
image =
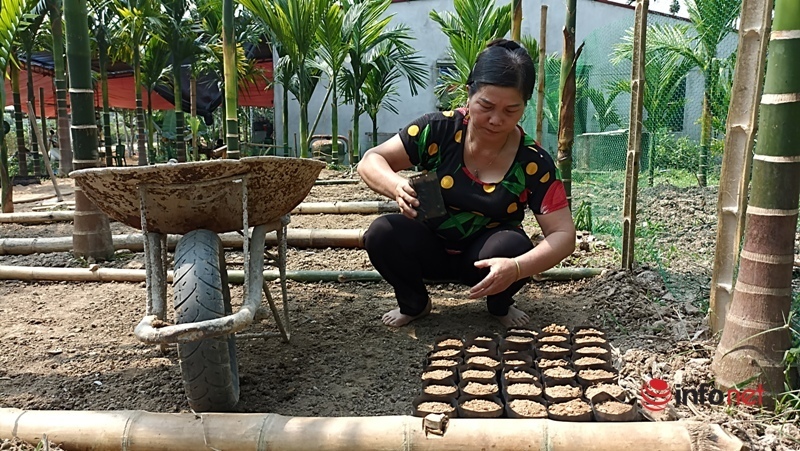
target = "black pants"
x: 406, y: 251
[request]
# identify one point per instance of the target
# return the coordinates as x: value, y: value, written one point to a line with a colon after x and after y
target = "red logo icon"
x: 655, y: 395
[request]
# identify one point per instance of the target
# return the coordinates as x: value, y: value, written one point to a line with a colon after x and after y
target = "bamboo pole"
x: 95, y: 274
x: 542, y: 61
x: 516, y: 20
x: 312, y: 238
x: 139, y: 430
x: 737, y: 159
x: 45, y: 156
x: 634, y: 134
x: 305, y: 208
x: 338, y: 182
x: 566, y: 100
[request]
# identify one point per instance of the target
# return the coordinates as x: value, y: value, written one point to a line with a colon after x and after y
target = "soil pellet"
x: 527, y: 408
x: 559, y: 372
x: 476, y: 388
x: 555, y: 329
x: 613, y: 407
x: 440, y: 389
x: 613, y: 390
x: 444, y: 353
x: 480, y: 405
x: 572, y: 408
x: 550, y: 363
x: 483, y: 360
x: 562, y: 391
x: 477, y: 374
x: 435, y: 407
x: 450, y: 342
x: 436, y: 375
x: 524, y: 390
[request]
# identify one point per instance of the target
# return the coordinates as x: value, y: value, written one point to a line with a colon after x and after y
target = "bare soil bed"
x: 71, y: 345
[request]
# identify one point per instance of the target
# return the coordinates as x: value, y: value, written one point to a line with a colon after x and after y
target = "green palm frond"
x: 11, y: 15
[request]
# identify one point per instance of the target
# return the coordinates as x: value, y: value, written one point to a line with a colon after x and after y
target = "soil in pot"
x: 445, y: 353
x: 435, y: 407
x: 576, y: 410
x: 563, y: 392
x: 476, y: 374
x: 612, y: 389
x: 589, y: 340
x: 583, y: 331
x: 440, y: 390
x: 437, y: 374
x: 520, y: 339
x: 523, y: 332
x: 585, y: 363
x: 483, y: 361
x: 479, y: 389
x: 444, y: 363
x: 549, y: 351
x: 449, y: 343
x: 550, y: 363
x: 559, y: 373
x: 555, y: 329
x: 513, y: 362
x: 524, y: 389
x: 480, y: 349
x: 596, y: 376
x: 528, y: 409
x: 481, y: 406
x: 591, y: 351
x: 554, y: 339
x: 519, y: 375
x: 612, y: 407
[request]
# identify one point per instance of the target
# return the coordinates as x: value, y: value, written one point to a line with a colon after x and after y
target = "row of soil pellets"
x: 549, y: 373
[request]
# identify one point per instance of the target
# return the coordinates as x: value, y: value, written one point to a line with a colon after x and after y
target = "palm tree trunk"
x: 355, y: 155
x: 6, y: 190
x: 231, y: 91
x: 285, y: 120
x: 705, y: 139
x: 566, y: 121
x: 22, y: 151
x: 60, y: 78
x: 91, y: 234
x: 335, y: 127
x: 516, y: 20
x: 651, y: 159
x: 102, y: 49
x: 304, y: 130
x: 756, y: 335
x: 140, y: 127
x: 152, y: 155
x: 180, y: 145
x: 374, y: 130
x: 540, y: 90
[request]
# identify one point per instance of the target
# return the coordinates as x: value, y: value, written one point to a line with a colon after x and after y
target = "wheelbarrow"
x: 199, y: 200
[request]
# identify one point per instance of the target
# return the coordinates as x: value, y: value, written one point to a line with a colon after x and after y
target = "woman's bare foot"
x: 394, y: 318
x: 515, y: 318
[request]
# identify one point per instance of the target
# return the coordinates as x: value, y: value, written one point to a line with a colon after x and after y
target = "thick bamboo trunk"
x: 35, y: 163
x: 516, y: 20
x: 634, y: 152
x: 140, y: 430
x: 734, y: 182
x: 566, y: 112
x: 237, y: 276
x: 60, y: 82
x: 102, y: 45
x: 311, y: 238
x: 140, y: 123
x: 22, y: 151
x: 756, y: 335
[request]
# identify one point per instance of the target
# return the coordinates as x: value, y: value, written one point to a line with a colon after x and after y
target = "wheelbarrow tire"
x: 200, y: 285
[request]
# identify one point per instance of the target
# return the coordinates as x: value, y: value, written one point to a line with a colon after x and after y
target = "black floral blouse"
x: 435, y: 142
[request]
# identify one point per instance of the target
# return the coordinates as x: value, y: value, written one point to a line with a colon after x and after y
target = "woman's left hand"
x: 502, y: 273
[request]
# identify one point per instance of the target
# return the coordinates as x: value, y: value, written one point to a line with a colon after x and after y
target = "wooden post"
x: 542, y: 61
x: 635, y: 134
x: 516, y: 20
x: 734, y: 180
x: 566, y: 100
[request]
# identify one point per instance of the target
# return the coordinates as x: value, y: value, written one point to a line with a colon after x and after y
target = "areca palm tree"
x: 380, y: 87
x: 28, y: 35
x: 155, y: 59
x: 293, y: 23
x: 92, y: 233
x: 369, y: 27
x: 698, y: 43
x: 474, y: 24
x: 137, y: 20
x: 182, y: 35
x: 100, y: 30
x: 60, y: 79
x: 334, y: 39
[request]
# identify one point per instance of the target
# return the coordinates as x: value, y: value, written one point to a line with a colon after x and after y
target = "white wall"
x: 432, y: 45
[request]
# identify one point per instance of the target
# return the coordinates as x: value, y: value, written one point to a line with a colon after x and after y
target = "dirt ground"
x: 71, y: 345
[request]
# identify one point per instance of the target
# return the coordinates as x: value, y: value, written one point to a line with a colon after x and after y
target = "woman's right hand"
x: 406, y: 199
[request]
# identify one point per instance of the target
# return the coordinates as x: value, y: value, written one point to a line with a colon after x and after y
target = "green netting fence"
x: 684, y: 66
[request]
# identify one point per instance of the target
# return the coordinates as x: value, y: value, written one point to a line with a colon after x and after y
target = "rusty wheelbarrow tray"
x: 199, y: 200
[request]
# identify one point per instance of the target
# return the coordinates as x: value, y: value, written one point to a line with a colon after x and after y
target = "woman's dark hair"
x: 503, y: 63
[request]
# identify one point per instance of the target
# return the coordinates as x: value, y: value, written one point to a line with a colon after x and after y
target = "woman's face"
x: 495, y: 110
